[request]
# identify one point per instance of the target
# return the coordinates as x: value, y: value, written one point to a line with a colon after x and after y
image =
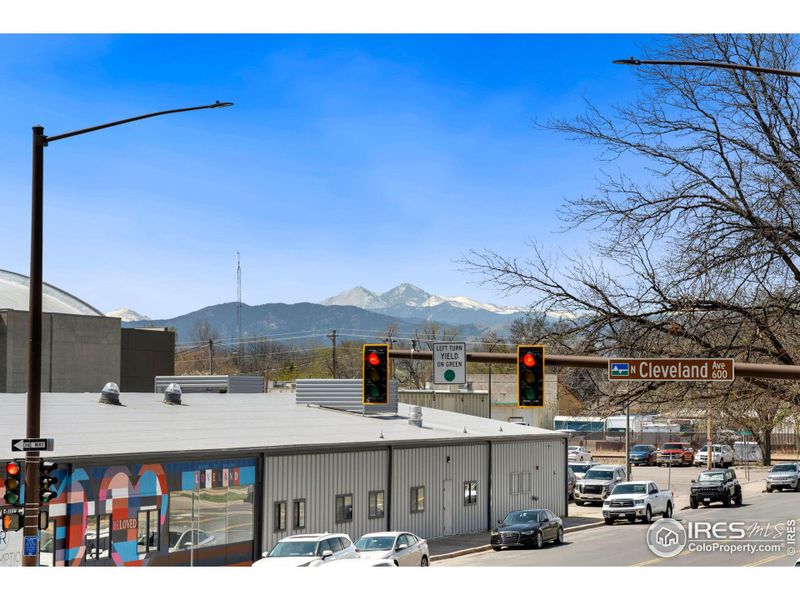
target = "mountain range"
x: 407, y: 301
x: 357, y: 313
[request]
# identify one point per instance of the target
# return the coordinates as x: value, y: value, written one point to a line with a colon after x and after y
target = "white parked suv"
x: 403, y: 548
x: 311, y: 550
x: 721, y: 455
x: 633, y: 500
x: 598, y: 483
x: 578, y: 454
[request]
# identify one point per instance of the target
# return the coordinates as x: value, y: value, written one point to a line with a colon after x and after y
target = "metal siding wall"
x: 428, y: 467
x: 548, y: 483
x: 319, y: 478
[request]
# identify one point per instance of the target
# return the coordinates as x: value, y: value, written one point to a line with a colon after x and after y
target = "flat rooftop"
x: 83, y: 427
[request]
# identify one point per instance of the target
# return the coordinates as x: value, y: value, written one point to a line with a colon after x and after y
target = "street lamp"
x: 34, y: 404
x: 706, y: 63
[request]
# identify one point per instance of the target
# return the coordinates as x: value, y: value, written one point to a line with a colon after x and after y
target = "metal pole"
x: 490, y: 390
x: 210, y: 356
x: 628, y: 441
x: 34, y: 405
x: 709, y: 445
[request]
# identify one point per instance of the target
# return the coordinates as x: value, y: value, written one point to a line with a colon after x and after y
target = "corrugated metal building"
x: 246, y: 470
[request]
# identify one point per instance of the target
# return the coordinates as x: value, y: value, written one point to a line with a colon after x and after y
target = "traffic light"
x: 47, y: 482
x: 13, y: 484
x: 530, y: 376
x: 375, y: 362
x: 12, y: 522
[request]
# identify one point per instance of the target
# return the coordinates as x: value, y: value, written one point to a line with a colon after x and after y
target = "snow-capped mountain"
x: 408, y: 301
x: 127, y: 315
x: 407, y: 294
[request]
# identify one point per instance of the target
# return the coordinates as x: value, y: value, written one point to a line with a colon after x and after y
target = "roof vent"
x: 172, y: 395
x: 110, y: 394
x: 415, y: 415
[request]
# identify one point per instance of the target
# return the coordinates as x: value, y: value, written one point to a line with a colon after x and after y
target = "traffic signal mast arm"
x: 754, y: 370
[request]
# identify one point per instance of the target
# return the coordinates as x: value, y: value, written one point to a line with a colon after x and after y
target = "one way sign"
x: 24, y: 444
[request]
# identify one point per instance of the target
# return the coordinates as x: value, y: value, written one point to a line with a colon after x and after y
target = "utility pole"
x: 490, y: 390
x: 709, y: 445
x: 628, y: 441
x: 238, y: 312
x: 332, y: 338
x: 210, y: 356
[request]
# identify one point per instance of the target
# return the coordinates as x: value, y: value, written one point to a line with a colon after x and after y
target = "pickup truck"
x: 675, y: 453
x: 637, y: 500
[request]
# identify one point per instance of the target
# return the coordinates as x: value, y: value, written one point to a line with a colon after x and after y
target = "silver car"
x: 784, y: 476
x: 403, y: 548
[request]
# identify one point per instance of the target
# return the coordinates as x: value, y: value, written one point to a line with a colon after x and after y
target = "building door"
x: 447, y: 507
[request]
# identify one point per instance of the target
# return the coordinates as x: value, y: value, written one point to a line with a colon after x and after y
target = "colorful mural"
x: 124, y: 515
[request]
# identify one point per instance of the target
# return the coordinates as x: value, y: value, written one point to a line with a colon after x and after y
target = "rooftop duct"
x: 110, y: 394
x: 415, y: 415
x: 172, y: 395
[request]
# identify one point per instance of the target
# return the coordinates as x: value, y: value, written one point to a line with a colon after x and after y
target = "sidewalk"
x: 469, y: 543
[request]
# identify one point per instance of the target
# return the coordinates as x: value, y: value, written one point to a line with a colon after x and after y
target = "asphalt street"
x: 623, y: 544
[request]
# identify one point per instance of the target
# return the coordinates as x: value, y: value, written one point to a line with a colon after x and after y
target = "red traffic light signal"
x: 530, y: 376
x: 375, y: 374
x: 13, y: 484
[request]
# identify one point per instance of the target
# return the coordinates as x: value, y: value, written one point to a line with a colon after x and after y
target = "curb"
x: 485, y: 547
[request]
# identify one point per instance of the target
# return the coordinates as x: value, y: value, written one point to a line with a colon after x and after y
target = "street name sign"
x: 450, y: 362
x: 25, y: 444
x: 670, y: 369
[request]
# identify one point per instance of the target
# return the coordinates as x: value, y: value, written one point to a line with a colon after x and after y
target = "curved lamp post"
x: 33, y: 411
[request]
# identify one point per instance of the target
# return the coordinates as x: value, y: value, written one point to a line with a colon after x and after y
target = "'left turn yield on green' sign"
x: 450, y: 362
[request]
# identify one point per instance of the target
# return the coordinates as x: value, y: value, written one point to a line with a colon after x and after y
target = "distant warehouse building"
x: 82, y: 349
x: 218, y: 480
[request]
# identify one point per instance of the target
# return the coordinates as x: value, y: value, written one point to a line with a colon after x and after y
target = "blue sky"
x: 347, y: 160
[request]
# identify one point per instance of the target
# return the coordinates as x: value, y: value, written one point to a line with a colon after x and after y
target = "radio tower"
x: 239, y: 310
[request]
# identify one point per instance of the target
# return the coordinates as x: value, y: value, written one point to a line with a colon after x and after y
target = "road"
x: 624, y: 544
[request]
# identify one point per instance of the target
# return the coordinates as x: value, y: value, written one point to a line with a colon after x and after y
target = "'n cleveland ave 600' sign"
x: 670, y: 369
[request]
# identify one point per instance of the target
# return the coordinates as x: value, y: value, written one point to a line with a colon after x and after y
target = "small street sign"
x: 10, y: 510
x: 450, y: 362
x: 670, y: 369
x: 25, y: 444
x: 30, y: 545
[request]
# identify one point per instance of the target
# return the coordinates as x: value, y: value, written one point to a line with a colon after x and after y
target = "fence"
x: 782, y: 443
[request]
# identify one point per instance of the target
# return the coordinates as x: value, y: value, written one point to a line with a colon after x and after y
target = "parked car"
x: 633, y: 500
x: 598, y: 483
x: 578, y: 454
x: 571, y: 479
x: 721, y: 454
x: 527, y: 529
x: 715, y: 485
x: 675, y: 453
x: 403, y: 548
x: 784, y: 476
x: 186, y: 539
x: 579, y: 469
x: 643, y: 454
x: 367, y: 562
x: 309, y: 550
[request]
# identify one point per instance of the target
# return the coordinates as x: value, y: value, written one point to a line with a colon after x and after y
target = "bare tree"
x: 697, y: 254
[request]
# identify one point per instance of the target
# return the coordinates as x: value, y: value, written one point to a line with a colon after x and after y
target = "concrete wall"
x: 504, y: 399
x: 79, y: 353
x: 146, y: 353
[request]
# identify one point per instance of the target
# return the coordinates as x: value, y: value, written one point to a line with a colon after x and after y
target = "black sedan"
x: 527, y: 529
